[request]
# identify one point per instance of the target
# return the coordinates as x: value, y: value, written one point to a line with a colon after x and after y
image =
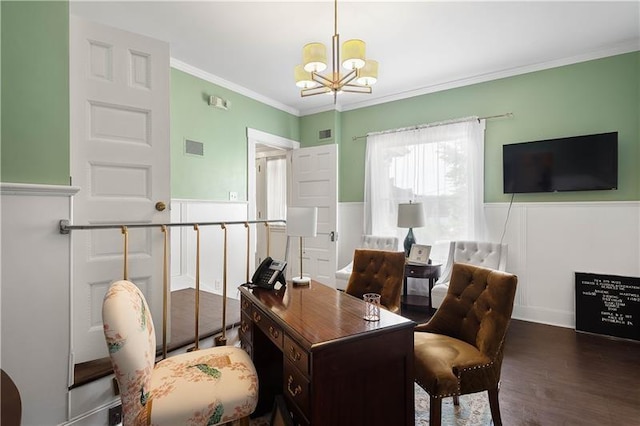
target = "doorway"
x: 268, y: 159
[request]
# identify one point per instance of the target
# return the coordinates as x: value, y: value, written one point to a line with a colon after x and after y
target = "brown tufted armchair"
x: 378, y: 271
x: 459, y: 351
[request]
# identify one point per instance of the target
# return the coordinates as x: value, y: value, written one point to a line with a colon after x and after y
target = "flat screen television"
x: 578, y: 163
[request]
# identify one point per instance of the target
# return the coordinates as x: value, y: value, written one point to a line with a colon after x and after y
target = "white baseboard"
x: 544, y: 316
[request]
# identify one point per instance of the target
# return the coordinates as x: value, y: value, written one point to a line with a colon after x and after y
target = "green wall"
x: 35, y: 92
x: 0, y: 88
x: 311, y: 125
x: 590, y: 97
x: 223, y: 167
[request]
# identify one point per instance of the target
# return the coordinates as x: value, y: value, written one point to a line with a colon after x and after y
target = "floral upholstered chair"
x: 204, y: 387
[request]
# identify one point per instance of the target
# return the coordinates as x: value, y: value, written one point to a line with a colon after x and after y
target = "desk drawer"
x: 299, y: 419
x: 245, y: 305
x: 296, y: 387
x: 270, y: 328
x: 246, y: 328
x: 296, y: 355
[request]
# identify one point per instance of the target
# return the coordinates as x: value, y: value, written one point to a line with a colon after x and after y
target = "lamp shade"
x: 353, y: 54
x: 314, y: 57
x: 304, y: 80
x: 302, y: 221
x: 410, y: 215
x: 368, y: 75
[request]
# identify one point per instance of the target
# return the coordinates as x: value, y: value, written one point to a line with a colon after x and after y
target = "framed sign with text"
x: 608, y: 304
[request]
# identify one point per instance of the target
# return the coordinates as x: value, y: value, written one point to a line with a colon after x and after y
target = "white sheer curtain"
x: 440, y: 165
x: 276, y: 188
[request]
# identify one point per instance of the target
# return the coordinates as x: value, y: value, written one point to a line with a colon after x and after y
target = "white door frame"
x: 255, y: 138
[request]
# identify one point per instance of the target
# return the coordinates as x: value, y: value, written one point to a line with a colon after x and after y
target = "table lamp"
x: 302, y: 222
x: 410, y: 215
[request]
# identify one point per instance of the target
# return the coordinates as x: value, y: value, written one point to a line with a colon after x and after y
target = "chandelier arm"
x: 351, y: 88
x: 336, y: 56
x: 321, y: 79
x: 311, y: 91
x: 348, y: 78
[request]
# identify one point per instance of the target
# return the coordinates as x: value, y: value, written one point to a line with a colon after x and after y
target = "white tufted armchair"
x: 366, y: 242
x: 485, y: 254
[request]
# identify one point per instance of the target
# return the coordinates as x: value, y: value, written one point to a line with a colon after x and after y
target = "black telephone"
x: 268, y: 273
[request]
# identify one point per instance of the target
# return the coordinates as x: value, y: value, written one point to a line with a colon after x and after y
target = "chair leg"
x: 495, y: 406
x: 435, y: 411
x: 245, y: 421
x: 456, y: 400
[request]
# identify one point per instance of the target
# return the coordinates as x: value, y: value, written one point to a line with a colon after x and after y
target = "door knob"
x: 160, y: 206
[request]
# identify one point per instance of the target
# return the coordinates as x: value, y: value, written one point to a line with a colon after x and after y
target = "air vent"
x: 324, y: 134
x: 194, y: 148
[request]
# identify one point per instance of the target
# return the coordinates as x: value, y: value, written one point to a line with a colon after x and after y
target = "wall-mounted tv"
x: 578, y: 163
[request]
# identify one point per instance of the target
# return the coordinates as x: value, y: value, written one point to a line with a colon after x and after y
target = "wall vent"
x: 324, y: 134
x: 193, y: 147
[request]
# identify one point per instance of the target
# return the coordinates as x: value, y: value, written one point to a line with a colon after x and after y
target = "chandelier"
x: 360, y: 74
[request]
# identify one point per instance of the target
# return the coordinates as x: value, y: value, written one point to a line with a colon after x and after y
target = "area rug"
x: 472, y: 411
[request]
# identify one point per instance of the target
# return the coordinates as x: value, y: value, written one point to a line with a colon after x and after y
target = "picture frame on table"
x: 419, y: 254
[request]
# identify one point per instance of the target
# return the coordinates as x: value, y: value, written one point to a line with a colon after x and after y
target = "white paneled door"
x: 315, y: 184
x: 119, y: 97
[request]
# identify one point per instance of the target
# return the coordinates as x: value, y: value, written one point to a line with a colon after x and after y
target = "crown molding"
x: 618, y: 49
x: 204, y: 75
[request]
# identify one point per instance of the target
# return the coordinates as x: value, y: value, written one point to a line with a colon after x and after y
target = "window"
x: 439, y: 165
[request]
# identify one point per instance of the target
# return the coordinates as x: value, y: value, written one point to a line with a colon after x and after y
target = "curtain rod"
x: 65, y: 228
x: 439, y: 123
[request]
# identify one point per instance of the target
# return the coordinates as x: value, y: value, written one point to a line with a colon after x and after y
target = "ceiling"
x: 422, y: 47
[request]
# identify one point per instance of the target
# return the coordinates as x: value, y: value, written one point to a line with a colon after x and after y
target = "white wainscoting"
x: 36, y: 298
x: 548, y: 243
x: 183, y: 245
x: 350, y: 230
x: 35, y: 306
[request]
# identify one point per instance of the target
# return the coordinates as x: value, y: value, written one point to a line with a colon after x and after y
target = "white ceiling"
x: 422, y: 47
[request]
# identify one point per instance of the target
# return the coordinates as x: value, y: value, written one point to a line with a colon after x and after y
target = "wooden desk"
x: 333, y: 367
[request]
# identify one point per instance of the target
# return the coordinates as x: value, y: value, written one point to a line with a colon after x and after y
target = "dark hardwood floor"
x: 210, y: 318
x: 556, y: 376
x: 550, y: 375
x: 182, y: 328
